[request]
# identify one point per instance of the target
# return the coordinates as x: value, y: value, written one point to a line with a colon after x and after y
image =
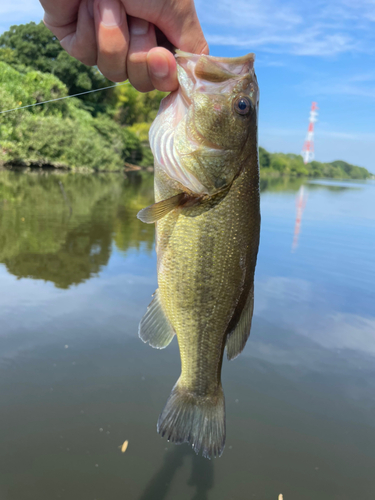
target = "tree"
x: 277, y: 164
x: 59, y: 134
x: 132, y: 106
x: 34, y: 46
x: 264, y: 158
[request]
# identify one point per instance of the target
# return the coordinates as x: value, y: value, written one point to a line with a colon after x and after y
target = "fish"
x: 207, y: 215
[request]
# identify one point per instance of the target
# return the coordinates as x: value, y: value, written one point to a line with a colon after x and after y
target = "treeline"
x: 276, y: 164
x: 98, y: 131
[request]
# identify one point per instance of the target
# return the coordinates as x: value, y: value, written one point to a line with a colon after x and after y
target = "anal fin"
x: 158, y: 210
x: 155, y: 327
x: 237, y: 338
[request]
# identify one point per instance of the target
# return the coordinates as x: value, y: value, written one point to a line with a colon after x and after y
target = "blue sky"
x: 321, y: 50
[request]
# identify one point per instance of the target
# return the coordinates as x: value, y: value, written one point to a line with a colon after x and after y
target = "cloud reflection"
x: 295, y: 326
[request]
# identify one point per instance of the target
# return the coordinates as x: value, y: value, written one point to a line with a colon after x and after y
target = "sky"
x: 321, y: 51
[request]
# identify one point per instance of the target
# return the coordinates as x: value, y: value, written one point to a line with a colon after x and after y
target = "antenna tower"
x: 308, y: 147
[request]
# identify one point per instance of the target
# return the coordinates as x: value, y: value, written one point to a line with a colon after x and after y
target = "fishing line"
x: 66, y: 97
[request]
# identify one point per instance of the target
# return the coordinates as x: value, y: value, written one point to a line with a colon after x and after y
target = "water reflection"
x: 300, y: 399
x: 60, y: 228
x: 281, y: 184
x: 84, y: 252
x: 301, y: 200
x: 201, y: 478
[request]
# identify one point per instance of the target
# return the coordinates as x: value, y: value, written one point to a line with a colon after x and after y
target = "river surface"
x: 77, y: 271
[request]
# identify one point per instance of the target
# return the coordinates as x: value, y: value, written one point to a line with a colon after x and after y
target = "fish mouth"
x: 228, y: 60
x: 216, y: 69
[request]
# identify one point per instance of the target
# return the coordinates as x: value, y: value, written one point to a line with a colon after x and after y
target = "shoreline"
x: 130, y: 168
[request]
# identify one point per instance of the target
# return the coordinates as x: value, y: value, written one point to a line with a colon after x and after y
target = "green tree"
x: 132, y: 106
x: 264, y: 158
x: 34, y: 46
x: 59, y: 134
x: 33, y: 87
x: 277, y: 164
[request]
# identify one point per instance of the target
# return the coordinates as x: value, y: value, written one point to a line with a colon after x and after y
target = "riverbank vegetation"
x: 98, y: 131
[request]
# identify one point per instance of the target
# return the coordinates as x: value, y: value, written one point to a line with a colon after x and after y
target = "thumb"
x: 181, y: 26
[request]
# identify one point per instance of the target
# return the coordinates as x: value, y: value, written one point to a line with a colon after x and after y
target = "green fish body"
x: 207, y: 216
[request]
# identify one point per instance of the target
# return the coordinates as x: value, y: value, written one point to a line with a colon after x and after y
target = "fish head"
x: 210, y: 122
x: 223, y: 95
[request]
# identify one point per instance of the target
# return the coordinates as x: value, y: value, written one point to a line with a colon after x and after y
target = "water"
x: 77, y: 271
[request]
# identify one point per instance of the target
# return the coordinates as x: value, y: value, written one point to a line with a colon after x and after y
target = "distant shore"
x: 268, y: 174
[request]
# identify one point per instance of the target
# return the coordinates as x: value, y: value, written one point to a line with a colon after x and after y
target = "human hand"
x: 120, y: 37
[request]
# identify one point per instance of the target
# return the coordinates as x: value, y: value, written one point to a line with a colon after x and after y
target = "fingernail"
x: 138, y: 26
x: 110, y: 12
x: 161, y: 68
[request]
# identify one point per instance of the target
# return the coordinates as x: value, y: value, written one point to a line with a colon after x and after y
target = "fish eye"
x: 242, y: 105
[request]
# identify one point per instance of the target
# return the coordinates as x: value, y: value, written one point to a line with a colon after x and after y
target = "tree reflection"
x: 84, y: 252
x: 293, y: 184
x: 60, y: 228
x: 129, y: 232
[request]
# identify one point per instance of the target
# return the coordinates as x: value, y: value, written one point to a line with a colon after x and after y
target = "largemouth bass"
x: 204, y: 141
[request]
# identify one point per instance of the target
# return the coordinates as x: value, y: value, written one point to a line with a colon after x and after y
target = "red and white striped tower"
x: 308, y: 147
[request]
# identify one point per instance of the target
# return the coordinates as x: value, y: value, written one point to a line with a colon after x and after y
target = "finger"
x: 185, y: 32
x: 81, y: 43
x: 60, y: 14
x: 162, y: 69
x: 112, y: 38
x: 178, y: 20
x: 142, y: 39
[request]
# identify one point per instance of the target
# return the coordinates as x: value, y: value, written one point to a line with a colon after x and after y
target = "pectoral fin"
x: 158, y: 210
x: 237, y: 338
x: 155, y: 327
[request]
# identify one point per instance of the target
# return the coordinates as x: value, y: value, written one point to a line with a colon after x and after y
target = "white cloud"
x: 291, y: 27
x: 243, y: 14
x: 308, y: 43
x: 327, y: 84
x: 359, y: 10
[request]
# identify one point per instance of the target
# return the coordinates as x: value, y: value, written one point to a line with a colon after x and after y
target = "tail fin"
x: 200, y: 421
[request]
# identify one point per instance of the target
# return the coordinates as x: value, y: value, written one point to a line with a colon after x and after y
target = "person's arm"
x: 119, y: 36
